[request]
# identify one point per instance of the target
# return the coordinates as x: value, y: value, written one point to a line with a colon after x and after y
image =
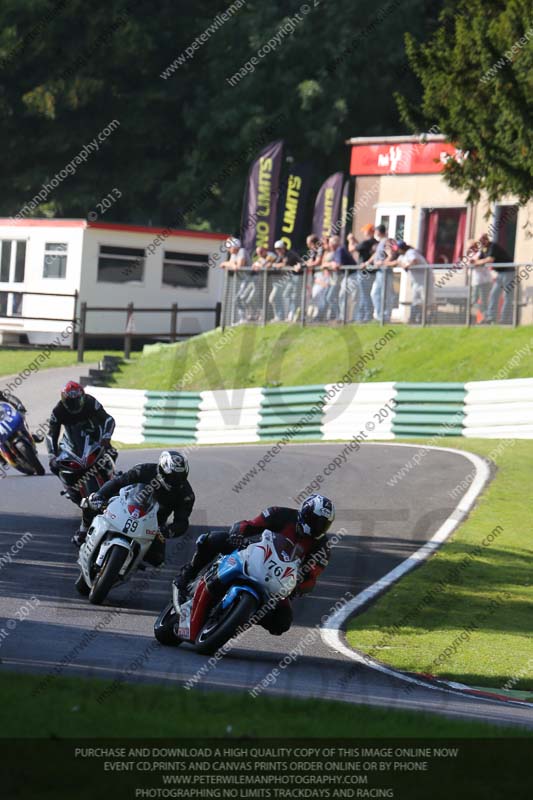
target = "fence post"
x: 173, y: 322
x: 303, y: 299
x: 345, y: 301
x: 385, y: 272
x: 264, y: 298
x: 128, y: 331
x: 469, y: 297
x: 224, y: 301
x: 81, y: 332
x: 425, y: 298
x: 74, y: 320
x: 516, y: 297
x: 218, y: 314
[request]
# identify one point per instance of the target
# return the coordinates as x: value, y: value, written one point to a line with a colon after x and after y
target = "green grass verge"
x: 407, y: 630
x: 289, y: 355
x: 14, y: 361
x: 69, y: 708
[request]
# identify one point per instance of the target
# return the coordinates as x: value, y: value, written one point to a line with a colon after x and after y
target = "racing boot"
x: 79, y: 537
x: 188, y: 572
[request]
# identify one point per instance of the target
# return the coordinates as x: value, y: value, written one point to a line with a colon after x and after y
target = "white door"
x: 397, y: 220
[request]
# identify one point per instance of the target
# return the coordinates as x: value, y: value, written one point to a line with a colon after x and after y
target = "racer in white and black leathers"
x: 171, y: 489
x: 306, y: 527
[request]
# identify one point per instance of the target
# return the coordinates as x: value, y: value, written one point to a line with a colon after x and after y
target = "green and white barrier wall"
x: 485, y: 409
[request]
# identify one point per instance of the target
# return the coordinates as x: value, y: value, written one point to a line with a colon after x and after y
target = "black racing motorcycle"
x: 83, y: 461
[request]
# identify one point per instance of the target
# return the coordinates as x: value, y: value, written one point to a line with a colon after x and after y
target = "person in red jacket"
x: 306, y: 527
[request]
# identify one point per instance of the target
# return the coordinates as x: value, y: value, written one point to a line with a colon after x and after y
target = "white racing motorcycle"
x: 226, y: 595
x: 117, y: 541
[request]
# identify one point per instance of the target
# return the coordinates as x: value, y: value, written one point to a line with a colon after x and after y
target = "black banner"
x: 261, y: 198
x: 292, y: 209
x: 327, y: 206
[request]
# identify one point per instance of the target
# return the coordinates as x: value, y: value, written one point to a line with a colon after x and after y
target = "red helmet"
x: 73, y: 397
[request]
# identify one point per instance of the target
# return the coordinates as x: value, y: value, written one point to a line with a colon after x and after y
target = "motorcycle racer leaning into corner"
x: 13, y: 400
x: 306, y: 528
x: 77, y: 407
x: 168, y: 480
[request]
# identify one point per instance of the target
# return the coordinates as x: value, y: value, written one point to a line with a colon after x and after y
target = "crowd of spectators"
x: 353, y: 280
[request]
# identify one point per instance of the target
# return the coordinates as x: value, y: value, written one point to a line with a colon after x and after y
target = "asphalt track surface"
x: 384, y: 526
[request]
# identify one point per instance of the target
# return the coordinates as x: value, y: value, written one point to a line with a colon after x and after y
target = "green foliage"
x: 476, y: 73
x: 68, y: 68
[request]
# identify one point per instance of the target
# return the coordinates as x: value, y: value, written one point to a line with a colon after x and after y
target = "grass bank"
x: 69, y: 708
x: 289, y: 355
x: 14, y: 361
x: 466, y: 613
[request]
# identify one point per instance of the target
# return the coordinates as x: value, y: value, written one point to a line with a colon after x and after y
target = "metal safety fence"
x: 434, y: 294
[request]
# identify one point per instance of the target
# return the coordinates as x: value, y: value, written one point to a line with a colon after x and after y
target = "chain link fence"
x: 437, y: 294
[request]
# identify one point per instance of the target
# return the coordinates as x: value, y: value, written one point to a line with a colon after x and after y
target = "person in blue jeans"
x: 365, y: 279
x: 377, y: 260
x: 493, y: 253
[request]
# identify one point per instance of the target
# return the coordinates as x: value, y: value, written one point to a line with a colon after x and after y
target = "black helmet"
x: 172, y: 468
x: 316, y: 515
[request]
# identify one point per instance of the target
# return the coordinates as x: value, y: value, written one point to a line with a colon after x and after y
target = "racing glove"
x: 237, y: 540
x: 95, y: 502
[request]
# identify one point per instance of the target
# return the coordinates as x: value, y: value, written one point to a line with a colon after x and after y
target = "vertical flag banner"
x: 292, y: 208
x: 328, y: 205
x: 344, y: 210
x: 261, y: 196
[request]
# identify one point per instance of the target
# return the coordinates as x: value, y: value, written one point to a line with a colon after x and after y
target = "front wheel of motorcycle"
x: 108, y: 575
x: 216, y: 633
x: 164, y: 627
x: 30, y: 457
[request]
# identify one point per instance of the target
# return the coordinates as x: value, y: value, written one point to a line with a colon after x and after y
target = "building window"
x: 187, y: 270
x: 12, y: 260
x: 55, y: 260
x: 20, y: 262
x: 5, y: 261
x: 3, y: 304
x: 16, y: 308
x: 120, y: 264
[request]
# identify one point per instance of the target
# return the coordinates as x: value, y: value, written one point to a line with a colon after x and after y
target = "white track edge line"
x: 332, y: 628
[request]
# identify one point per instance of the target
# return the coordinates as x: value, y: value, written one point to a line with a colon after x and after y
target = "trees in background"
x: 476, y: 72
x: 186, y: 137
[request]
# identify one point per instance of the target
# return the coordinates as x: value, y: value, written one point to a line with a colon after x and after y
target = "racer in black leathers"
x: 93, y: 416
x: 171, y: 490
x: 305, y: 527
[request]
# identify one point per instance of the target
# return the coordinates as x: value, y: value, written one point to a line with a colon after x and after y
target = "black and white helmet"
x: 316, y: 515
x: 172, y: 469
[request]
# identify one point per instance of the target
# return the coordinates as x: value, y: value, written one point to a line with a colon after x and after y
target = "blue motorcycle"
x: 17, y: 445
x: 230, y: 594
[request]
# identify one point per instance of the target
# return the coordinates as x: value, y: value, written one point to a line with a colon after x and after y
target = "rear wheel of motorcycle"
x: 214, y: 635
x: 32, y: 465
x: 164, y: 627
x: 81, y: 586
x: 108, y: 575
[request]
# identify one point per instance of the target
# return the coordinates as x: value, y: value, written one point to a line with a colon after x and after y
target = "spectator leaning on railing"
x: 365, y: 279
x: 493, y: 253
x: 481, y: 280
x: 409, y: 259
x: 236, y: 260
x: 377, y: 260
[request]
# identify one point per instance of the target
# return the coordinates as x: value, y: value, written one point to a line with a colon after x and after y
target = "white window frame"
x: 13, y: 259
x: 57, y: 253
